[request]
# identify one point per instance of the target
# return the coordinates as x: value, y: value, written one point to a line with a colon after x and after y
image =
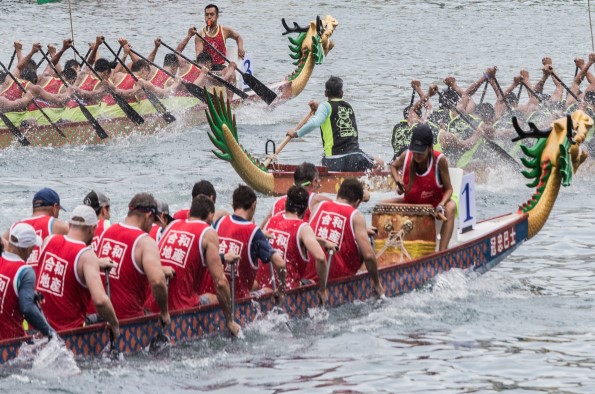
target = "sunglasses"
x: 146, y: 208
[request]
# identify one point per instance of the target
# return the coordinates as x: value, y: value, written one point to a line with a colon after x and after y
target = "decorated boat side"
x: 307, y: 50
x: 553, y: 160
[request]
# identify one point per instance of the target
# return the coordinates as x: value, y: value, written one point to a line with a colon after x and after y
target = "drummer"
x: 421, y: 174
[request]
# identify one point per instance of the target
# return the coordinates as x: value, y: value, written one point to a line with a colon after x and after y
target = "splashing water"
x: 47, y: 359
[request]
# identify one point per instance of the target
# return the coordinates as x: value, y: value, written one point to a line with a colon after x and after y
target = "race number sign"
x: 246, y: 66
x: 467, y: 212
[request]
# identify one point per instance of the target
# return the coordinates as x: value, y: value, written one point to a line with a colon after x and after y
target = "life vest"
x: 11, y: 318
x: 53, y: 86
x: 65, y: 297
x: 160, y: 79
x: 236, y: 236
x: 43, y: 228
x: 427, y: 187
x: 181, y: 248
x: 218, y: 41
x: 339, y: 130
x: 127, y: 83
x: 333, y: 221
x: 128, y: 282
x: 286, y: 242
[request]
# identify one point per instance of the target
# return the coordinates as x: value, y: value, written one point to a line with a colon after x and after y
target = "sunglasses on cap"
x: 147, y: 208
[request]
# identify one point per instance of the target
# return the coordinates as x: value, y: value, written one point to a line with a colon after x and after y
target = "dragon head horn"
x: 295, y: 29
x: 534, y: 133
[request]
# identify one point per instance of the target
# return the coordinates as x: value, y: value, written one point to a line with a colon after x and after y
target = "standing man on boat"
x: 342, y: 224
x: 46, y: 208
x: 101, y: 205
x: 239, y: 235
x: 421, y: 174
x: 191, y: 248
x: 69, y: 275
x: 336, y: 120
x: 135, y: 256
x: 17, y: 285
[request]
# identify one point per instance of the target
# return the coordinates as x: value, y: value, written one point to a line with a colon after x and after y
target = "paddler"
x: 205, y: 188
x: 421, y: 174
x: 101, y: 205
x: 336, y: 120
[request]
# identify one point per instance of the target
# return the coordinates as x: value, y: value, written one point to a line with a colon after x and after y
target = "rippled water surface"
x: 526, y: 326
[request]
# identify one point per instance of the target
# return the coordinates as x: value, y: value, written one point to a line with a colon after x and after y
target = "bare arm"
x: 445, y: 178
x: 24, y: 61
x: 89, y: 267
x: 230, y: 33
x: 368, y: 255
x: 147, y: 254
x: 308, y: 239
x: 94, y: 50
x: 153, y: 53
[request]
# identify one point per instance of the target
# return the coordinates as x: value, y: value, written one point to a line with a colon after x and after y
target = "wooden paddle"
x: 96, y: 126
x: 114, y: 351
x: 259, y: 88
x: 122, y: 103
x: 14, y: 53
x: 538, y: 97
x: 193, y: 89
x: 502, y: 94
x: 485, y: 89
x: 15, y: 130
x: 231, y: 87
x: 287, y: 139
x: 160, y: 342
x: 158, y: 105
x: 564, y: 85
x: 33, y: 101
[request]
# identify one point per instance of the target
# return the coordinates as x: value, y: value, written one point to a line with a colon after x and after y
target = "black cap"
x: 421, y: 138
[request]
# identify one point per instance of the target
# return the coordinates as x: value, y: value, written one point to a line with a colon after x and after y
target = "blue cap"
x: 46, y: 197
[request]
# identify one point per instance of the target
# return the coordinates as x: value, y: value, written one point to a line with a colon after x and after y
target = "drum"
x: 403, y: 229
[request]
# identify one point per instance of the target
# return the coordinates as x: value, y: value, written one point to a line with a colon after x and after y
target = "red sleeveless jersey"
x: 13, y: 91
x: 182, y: 214
x: 156, y: 232
x: 102, y: 224
x: 89, y: 84
x: 181, y: 249
x: 427, y: 188
x: 218, y: 41
x: 160, y: 79
x: 286, y: 242
x: 66, y: 297
x: 52, y: 85
x: 279, y: 206
x: 11, y: 318
x: 333, y: 221
x: 236, y: 236
x: 127, y: 83
x: 128, y: 282
x: 191, y: 75
x: 43, y: 228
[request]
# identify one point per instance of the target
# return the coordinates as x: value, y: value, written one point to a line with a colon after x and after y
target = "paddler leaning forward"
x: 421, y: 174
x: 338, y: 127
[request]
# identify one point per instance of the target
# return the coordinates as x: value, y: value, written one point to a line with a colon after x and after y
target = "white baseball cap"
x: 22, y: 235
x: 83, y: 215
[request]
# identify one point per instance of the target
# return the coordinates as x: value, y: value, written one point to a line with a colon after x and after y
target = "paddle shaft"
x: 329, y: 261
x: 502, y: 94
x: 288, y: 138
x: 33, y: 101
x: 14, y: 53
x: 485, y: 89
x: 128, y: 110
x: 233, y: 288
x: 565, y: 86
x: 150, y: 95
x: 532, y: 92
x: 412, y: 97
x: 234, y: 89
x: 14, y: 130
x: 96, y: 126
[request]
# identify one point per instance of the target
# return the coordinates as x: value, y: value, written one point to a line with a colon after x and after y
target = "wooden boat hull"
x: 480, y: 250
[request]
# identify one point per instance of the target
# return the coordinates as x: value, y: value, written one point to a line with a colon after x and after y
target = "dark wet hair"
x: 297, y: 200
x: 204, y: 57
x: 139, y: 65
x: 142, y: 202
x: 171, y: 60
x: 29, y: 74
x: 305, y: 172
x: 512, y: 98
x: 213, y: 6
x: 3, y: 76
x: 590, y: 97
x: 448, y: 99
x: 31, y: 64
x: 102, y: 65
x: 351, y: 190
x: 69, y: 74
x: 334, y: 87
x: 206, y: 188
x: 485, y: 111
x: 71, y: 64
x: 201, y: 207
x: 243, y: 197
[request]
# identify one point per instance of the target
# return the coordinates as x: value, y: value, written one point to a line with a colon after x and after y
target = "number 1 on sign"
x: 467, y: 203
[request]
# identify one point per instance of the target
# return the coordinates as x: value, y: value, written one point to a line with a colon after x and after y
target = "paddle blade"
x: 259, y: 88
x: 96, y: 126
x: 160, y: 345
x: 194, y: 90
x: 15, y: 131
x: 159, y: 106
x: 128, y: 110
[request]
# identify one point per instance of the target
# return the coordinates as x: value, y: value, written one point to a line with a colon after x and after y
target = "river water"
x: 526, y: 326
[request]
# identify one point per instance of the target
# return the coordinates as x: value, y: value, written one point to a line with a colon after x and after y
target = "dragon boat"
x: 407, y: 259
x: 308, y: 49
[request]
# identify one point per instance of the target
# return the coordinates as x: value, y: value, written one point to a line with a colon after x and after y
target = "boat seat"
x: 456, y: 179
